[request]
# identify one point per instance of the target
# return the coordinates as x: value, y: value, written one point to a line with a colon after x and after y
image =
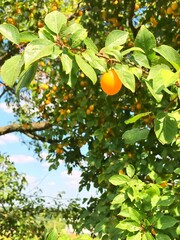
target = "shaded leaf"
x: 26, y: 77
x: 165, y: 222
x: 166, y: 200
x: 163, y: 236
x: 134, y: 135
x: 146, y: 41
x: 165, y: 127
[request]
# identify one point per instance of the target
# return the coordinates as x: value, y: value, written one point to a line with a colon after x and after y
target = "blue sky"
x: 37, y: 174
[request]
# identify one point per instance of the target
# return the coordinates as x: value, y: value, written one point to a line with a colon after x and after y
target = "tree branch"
x: 41, y: 138
x: 130, y: 18
x: 25, y: 128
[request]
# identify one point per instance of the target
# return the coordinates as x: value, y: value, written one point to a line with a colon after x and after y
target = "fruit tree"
x: 124, y: 136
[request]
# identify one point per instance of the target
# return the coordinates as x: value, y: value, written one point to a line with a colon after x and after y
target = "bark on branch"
x: 25, y: 128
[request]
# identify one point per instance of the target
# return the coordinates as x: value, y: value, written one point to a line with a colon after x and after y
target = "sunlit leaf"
x: 10, y: 32
x: 126, y: 76
x: 136, y: 117
x: 170, y: 54
x: 11, y: 69
x: 55, y: 20
x: 116, y: 37
x: 37, y: 49
x: 86, y: 68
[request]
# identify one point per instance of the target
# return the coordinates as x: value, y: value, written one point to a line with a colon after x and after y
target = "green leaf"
x: 162, y: 77
x: 134, y: 237
x: 165, y: 222
x: 170, y: 54
x: 160, y: 236
x: 145, y: 40
x: 90, y: 45
x: 157, y: 96
x: 11, y: 69
x: 131, y: 50
x: 112, y: 51
x: 130, y: 170
x: 77, y: 37
x: 99, y: 134
x: 86, y: 69
x: 26, y: 77
x: 136, y: 117
x: 119, y: 199
x: 141, y: 59
x: 135, y: 215
x: 147, y: 236
x: 55, y: 20
x: 126, y: 76
x: 134, y: 135
x: 37, y: 49
x: 27, y: 37
x: 165, y: 127
x: 66, y: 63
x: 118, y: 179
x: 10, y: 32
x: 94, y: 61
x: 45, y: 33
x: 72, y: 28
x: 166, y: 200
x: 127, y: 225
x: 137, y: 71
x: 56, y: 51
x: 52, y: 235
x: 178, y: 230
x: 177, y: 170
x: 116, y: 38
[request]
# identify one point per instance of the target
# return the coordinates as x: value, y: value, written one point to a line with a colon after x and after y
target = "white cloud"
x: 31, y: 179
x: 5, y: 108
x: 72, y: 179
x: 51, y: 184
x: 8, y: 138
x: 46, y: 164
x: 22, y: 158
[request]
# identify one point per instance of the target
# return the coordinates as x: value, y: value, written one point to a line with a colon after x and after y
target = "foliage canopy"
x: 126, y: 145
